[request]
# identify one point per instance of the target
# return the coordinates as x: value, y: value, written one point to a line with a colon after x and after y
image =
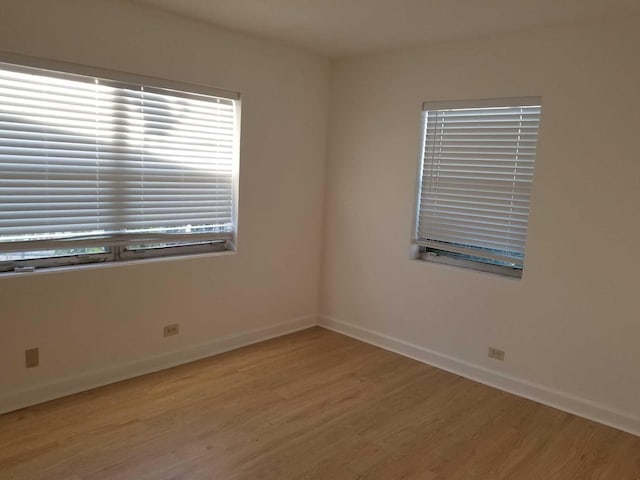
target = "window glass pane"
x: 66, y: 252
x: 151, y: 246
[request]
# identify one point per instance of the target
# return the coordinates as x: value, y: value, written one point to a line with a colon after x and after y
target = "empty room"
x: 319, y: 239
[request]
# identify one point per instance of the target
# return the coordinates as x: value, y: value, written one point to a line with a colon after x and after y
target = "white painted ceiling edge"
x: 342, y: 28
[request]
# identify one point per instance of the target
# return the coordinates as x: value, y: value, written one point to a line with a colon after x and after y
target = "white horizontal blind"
x: 83, y: 157
x: 476, y: 178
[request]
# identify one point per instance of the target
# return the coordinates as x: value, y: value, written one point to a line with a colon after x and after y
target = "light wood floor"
x: 312, y: 405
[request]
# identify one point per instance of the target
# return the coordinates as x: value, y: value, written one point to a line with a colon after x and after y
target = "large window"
x: 477, y: 170
x: 100, y: 169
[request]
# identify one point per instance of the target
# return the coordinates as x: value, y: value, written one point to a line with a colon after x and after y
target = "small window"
x: 97, y: 169
x: 477, y: 169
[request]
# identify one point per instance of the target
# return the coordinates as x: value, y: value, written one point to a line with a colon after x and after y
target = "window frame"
x: 118, y: 252
x: 428, y: 251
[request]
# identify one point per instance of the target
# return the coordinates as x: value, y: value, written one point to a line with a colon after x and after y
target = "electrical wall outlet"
x: 496, y: 354
x: 32, y: 357
x: 171, y: 330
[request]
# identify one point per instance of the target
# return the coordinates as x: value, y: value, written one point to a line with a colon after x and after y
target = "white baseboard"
x: 78, y: 383
x: 563, y: 401
x: 532, y: 391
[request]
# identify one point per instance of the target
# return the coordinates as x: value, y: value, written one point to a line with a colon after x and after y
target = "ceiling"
x: 338, y: 28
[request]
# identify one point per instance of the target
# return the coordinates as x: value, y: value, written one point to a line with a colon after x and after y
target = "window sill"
x: 120, y: 263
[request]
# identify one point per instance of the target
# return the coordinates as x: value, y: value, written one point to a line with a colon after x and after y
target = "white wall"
x: 89, y: 320
x: 571, y: 326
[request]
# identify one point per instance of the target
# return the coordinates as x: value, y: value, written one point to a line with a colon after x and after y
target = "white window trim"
x: 118, y: 254
x: 425, y: 251
x: 124, y: 263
